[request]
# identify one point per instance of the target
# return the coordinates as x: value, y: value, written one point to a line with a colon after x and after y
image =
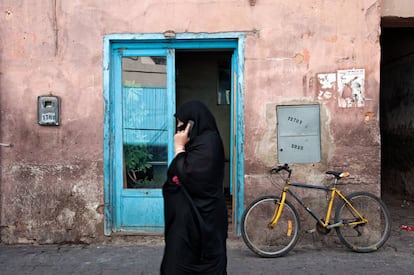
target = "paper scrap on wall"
x: 326, y: 85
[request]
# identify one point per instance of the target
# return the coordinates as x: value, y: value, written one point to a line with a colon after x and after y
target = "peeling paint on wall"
x: 52, y: 203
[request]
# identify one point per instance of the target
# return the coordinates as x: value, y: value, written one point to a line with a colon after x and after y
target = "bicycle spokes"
x: 366, y: 225
x: 356, y: 229
x: 260, y: 237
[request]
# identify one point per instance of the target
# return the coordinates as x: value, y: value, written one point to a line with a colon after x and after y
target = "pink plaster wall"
x: 52, y: 177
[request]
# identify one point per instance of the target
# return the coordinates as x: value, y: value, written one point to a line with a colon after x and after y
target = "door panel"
x: 145, y: 134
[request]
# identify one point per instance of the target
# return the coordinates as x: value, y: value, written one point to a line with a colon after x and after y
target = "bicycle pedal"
x: 313, y: 230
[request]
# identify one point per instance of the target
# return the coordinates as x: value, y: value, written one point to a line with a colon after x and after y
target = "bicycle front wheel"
x: 365, y: 237
x: 265, y: 241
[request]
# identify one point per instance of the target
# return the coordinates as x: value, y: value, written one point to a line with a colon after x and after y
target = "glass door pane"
x: 145, y: 121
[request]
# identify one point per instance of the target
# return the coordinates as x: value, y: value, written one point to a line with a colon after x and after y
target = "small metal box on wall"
x: 48, y: 108
x: 298, y: 134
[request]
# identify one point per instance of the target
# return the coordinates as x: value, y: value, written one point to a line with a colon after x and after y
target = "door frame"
x: 231, y: 40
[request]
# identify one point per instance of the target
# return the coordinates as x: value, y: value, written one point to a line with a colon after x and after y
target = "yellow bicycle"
x: 270, y: 225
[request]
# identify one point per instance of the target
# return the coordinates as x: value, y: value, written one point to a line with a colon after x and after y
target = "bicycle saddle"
x: 337, y: 174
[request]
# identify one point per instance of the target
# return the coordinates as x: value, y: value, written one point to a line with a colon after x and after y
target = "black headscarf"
x: 198, y: 112
x: 195, y: 211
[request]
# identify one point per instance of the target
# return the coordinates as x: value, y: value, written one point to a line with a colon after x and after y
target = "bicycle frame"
x: 325, y: 223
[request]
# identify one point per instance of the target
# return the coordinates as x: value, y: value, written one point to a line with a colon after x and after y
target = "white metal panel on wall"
x: 298, y: 134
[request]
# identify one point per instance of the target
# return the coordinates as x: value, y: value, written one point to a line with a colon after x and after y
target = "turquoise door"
x: 140, y: 102
x: 144, y: 105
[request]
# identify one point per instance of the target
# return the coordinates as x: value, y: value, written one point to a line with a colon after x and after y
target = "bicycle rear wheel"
x: 366, y: 237
x: 265, y: 241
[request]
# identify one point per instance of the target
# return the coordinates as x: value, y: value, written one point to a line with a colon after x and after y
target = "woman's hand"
x: 180, y: 140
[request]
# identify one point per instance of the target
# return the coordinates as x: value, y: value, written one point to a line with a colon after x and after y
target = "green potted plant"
x: 136, y: 163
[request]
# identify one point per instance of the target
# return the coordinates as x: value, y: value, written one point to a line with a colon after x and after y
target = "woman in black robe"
x: 194, y: 205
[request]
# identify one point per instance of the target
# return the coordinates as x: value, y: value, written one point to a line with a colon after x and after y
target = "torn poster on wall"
x: 351, y: 88
x: 345, y: 85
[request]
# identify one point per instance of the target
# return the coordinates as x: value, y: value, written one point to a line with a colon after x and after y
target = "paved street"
x: 116, y: 259
x: 309, y: 257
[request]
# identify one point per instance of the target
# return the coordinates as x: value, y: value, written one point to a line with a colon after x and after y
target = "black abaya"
x: 194, y: 205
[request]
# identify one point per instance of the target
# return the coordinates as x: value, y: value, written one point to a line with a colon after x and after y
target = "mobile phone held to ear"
x: 191, y: 127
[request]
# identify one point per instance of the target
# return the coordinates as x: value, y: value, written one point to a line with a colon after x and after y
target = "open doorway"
x: 396, y: 110
x: 206, y: 76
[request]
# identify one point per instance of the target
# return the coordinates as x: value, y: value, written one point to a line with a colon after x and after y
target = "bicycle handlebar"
x: 279, y: 168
